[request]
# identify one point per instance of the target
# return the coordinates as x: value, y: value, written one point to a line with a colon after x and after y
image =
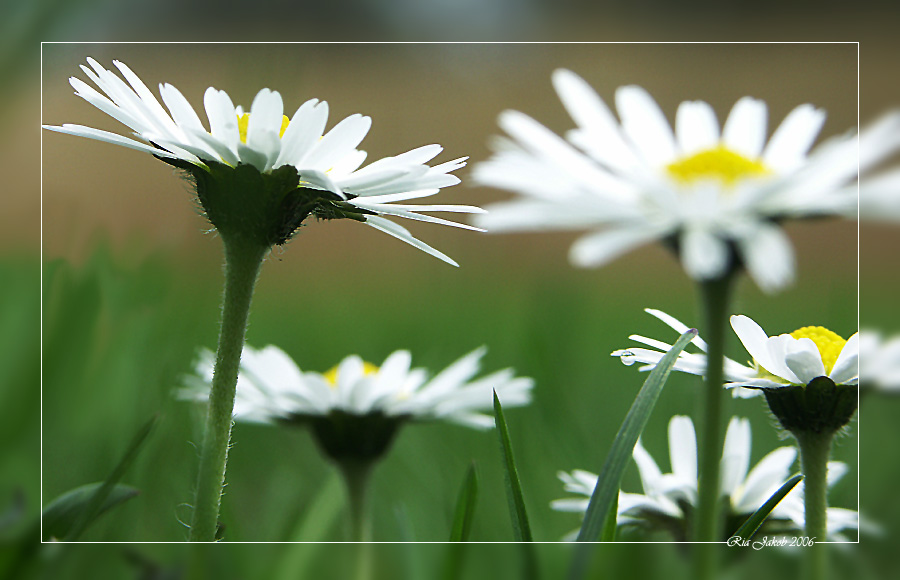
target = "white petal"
x: 107, y: 137
x: 676, y: 325
x: 222, y: 118
x: 649, y: 471
x: 341, y: 140
x: 846, y: 367
x: 769, y: 257
x: 645, y: 125
x: 303, y: 132
x: 683, y: 449
x: 402, y: 233
x: 703, y: 254
x: 597, y: 249
x: 745, y: 129
x: 804, y: 360
x: 788, y: 146
x: 754, y: 339
x: 765, y: 478
x: 736, y: 455
x: 696, y: 127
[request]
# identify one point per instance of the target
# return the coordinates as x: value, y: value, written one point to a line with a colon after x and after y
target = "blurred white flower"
x: 668, y: 499
x: 266, y: 139
x: 778, y: 361
x: 716, y: 195
x: 272, y: 388
x: 879, y: 361
x: 879, y: 197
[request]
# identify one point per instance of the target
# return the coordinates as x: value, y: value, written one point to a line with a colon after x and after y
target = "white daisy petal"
x: 789, y: 144
x: 804, y: 360
x: 696, y: 127
x: 846, y: 367
x: 683, y: 449
x: 745, y: 128
x: 645, y: 125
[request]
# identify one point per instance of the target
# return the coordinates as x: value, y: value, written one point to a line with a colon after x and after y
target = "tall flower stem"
x: 242, y: 263
x: 357, y: 476
x: 814, y: 451
x: 716, y: 296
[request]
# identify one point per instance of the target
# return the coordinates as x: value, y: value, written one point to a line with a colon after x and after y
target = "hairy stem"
x: 242, y: 264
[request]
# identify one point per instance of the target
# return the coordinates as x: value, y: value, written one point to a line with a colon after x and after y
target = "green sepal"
x: 819, y: 407
x: 264, y: 209
x: 344, y: 436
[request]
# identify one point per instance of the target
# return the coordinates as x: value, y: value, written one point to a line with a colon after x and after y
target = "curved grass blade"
x: 93, y: 507
x: 61, y: 515
x: 607, y: 489
x: 753, y: 523
x: 521, y: 529
x: 606, y: 493
x: 465, y: 507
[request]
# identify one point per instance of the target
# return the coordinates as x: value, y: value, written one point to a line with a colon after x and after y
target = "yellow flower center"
x: 244, y: 122
x: 716, y: 163
x: 332, y: 375
x: 829, y: 343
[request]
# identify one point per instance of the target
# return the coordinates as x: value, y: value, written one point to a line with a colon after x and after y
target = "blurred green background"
x: 131, y: 286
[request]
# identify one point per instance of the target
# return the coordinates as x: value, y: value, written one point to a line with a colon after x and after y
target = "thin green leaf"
x: 753, y: 523
x: 521, y: 529
x: 462, y: 525
x: 610, y: 479
x: 465, y: 507
x: 60, y: 516
x: 93, y: 507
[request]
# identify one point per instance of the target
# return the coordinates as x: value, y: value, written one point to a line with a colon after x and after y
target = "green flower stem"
x: 242, y: 263
x: 814, y: 451
x: 356, y: 476
x: 707, y: 524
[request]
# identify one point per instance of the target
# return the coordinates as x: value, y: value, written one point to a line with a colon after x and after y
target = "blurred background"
x: 131, y: 281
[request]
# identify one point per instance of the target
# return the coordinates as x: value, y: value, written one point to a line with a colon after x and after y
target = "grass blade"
x: 462, y: 525
x: 94, y: 506
x: 754, y: 522
x: 465, y: 507
x: 607, y: 490
x: 521, y: 529
x: 60, y: 516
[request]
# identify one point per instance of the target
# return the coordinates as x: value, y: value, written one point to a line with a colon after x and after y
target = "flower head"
x: 716, y: 195
x: 669, y: 499
x: 778, y: 361
x: 356, y: 405
x: 298, y: 169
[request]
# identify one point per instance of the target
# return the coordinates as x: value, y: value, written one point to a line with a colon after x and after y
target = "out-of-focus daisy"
x: 716, y: 195
x: 272, y: 389
x: 879, y: 361
x: 323, y: 178
x: 778, y: 361
x: 669, y: 499
x: 879, y: 197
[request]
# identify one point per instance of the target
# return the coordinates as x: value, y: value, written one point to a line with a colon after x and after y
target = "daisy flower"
x: 669, y: 499
x: 715, y: 194
x: 364, y: 400
x: 879, y: 361
x: 320, y: 171
x: 778, y: 361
